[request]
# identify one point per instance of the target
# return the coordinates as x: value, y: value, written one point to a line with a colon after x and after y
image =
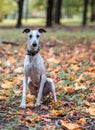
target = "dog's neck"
x: 33, y: 52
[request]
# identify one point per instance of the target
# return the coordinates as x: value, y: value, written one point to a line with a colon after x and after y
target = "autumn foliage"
x: 71, y: 64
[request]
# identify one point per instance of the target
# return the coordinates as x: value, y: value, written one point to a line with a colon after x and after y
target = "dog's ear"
x: 26, y: 30
x: 41, y: 30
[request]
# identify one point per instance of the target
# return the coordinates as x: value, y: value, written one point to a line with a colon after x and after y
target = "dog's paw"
x: 22, y: 105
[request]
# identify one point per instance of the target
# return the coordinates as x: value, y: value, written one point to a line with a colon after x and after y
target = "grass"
x: 26, y: 22
x: 16, y: 35
x: 62, y: 33
x: 74, y: 21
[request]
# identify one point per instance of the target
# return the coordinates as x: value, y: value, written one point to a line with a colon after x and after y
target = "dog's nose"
x: 34, y: 44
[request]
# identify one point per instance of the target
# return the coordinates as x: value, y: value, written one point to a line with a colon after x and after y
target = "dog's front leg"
x: 23, y: 102
x: 43, y: 80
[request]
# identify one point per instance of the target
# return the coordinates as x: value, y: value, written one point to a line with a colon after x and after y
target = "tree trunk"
x: 58, y: 11
x: 20, y: 13
x: 92, y: 10
x: 84, y: 22
x: 49, y: 13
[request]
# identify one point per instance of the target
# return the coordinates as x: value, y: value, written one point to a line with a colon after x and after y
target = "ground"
x: 69, y: 55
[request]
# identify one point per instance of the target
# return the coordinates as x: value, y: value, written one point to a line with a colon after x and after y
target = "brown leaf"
x: 91, y: 110
x: 7, y: 84
x: 44, y: 107
x: 21, y: 112
x: 81, y: 121
x: 57, y: 112
x: 30, y: 105
x: 3, y: 98
x: 30, y: 98
x: 71, y: 126
x: 93, y: 45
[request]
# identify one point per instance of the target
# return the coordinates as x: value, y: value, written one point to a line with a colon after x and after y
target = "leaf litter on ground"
x: 71, y: 64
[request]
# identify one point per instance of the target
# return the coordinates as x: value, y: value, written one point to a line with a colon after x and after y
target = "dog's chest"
x: 34, y: 67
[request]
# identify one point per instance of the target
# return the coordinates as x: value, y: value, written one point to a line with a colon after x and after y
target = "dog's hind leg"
x: 41, y: 88
x: 49, y: 87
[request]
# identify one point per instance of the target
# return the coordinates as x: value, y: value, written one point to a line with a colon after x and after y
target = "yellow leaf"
x: 75, y: 67
x: 57, y: 112
x: 86, y: 103
x: 33, y: 119
x: 4, y: 91
x: 3, y: 98
x: 54, y: 60
x: 81, y: 121
x: 6, y: 84
x: 30, y: 98
x: 91, y: 110
x: 53, y: 38
x: 11, y: 59
x: 71, y: 126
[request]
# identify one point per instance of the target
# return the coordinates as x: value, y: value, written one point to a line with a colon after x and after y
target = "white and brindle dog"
x: 34, y: 70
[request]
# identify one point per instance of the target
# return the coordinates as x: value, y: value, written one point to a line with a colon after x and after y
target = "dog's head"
x: 33, y: 37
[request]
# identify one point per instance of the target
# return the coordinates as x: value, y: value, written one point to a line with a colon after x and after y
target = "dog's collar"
x: 33, y: 52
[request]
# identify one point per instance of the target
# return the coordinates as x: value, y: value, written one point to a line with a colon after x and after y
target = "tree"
x: 20, y: 13
x: 84, y: 22
x: 58, y: 11
x: 5, y: 6
x: 92, y: 10
x: 37, y: 5
x: 49, y: 17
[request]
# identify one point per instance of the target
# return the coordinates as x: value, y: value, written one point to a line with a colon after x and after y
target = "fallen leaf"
x: 53, y: 38
x: 79, y: 87
x: 7, y: 84
x: 18, y: 70
x: 46, y: 119
x: 93, y: 45
x: 91, y: 97
x: 22, y: 112
x: 30, y: 98
x: 30, y: 105
x: 12, y: 59
x: 75, y: 67
x: 91, y: 110
x: 71, y: 126
x: 3, y: 98
x: 86, y: 103
x: 17, y: 92
x: 57, y: 112
x: 81, y: 121
x: 69, y: 90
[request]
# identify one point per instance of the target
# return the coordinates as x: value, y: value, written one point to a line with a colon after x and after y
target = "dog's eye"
x: 30, y: 36
x: 37, y: 36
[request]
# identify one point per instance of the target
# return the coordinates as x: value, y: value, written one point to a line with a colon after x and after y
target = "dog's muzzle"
x: 34, y: 44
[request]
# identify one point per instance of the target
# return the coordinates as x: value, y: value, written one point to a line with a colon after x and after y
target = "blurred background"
x: 17, y: 13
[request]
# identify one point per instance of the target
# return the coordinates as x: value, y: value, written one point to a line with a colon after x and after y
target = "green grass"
x: 16, y: 35
x: 25, y: 22
x: 76, y: 20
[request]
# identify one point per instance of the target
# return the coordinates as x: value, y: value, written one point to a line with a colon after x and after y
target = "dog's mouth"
x: 33, y: 51
x: 34, y: 48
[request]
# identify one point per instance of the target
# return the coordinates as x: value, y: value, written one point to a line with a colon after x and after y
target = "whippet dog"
x: 34, y: 70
